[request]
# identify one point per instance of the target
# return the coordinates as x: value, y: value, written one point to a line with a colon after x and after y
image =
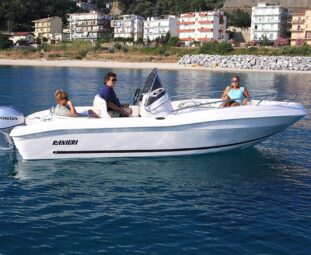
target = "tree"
x: 22, y: 42
x: 4, y: 42
x: 173, y: 41
x: 167, y: 37
x: 17, y: 15
x: 163, y: 7
x: 215, y: 48
x: 38, y: 40
x: 102, y: 5
x: 239, y: 18
x: 264, y: 41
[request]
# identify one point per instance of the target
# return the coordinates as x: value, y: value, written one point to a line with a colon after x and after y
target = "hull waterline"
x: 201, y: 138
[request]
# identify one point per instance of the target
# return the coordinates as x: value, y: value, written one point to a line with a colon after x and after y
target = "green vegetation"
x: 16, y: 15
x: 147, y: 8
x: 239, y: 18
x: 139, y: 53
x: 4, y: 42
x: 216, y: 48
x: 304, y: 50
x: 264, y: 41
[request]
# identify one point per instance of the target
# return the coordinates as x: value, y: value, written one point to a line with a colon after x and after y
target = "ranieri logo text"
x: 65, y: 142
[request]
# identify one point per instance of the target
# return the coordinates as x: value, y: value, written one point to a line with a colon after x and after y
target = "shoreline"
x: 127, y: 65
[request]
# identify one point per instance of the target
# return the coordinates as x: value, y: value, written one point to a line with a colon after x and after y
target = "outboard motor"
x: 9, y: 118
x: 154, y: 100
x: 157, y: 104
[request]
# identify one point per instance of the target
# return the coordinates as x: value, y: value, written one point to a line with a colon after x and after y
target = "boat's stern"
x: 9, y: 118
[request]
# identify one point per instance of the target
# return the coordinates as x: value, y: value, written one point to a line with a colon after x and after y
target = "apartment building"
x: 129, y: 26
x: 270, y: 21
x: 89, y: 26
x: 156, y: 27
x: 48, y: 27
x: 301, y: 27
x: 202, y: 26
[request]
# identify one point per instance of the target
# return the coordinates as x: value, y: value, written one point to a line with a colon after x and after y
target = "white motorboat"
x: 160, y: 126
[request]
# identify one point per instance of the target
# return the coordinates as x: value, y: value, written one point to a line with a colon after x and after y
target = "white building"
x: 27, y: 36
x: 89, y: 26
x: 269, y: 20
x: 202, y: 26
x: 129, y: 26
x: 156, y: 27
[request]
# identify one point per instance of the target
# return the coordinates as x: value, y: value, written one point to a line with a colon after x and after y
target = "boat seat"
x: 100, y: 107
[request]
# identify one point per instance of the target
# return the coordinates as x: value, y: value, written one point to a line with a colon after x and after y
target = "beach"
x: 126, y: 65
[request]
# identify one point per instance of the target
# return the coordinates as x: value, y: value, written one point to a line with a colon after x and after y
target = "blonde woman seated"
x: 234, y: 95
x: 65, y: 107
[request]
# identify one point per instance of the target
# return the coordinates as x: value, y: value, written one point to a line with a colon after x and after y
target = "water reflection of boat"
x: 160, y: 126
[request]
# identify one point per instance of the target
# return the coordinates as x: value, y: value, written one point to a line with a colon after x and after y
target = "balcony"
x: 186, y: 15
x: 185, y: 23
x: 206, y: 22
x: 267, y: 14
x: 188, y: 39
x: 204, y: 14
x: 297, y: 30
x: 266, y: 30
x: 185, y: 30
x: 298, y: 21
x: 205, y: 29
x: 204, y: 39
x: 268, y: 22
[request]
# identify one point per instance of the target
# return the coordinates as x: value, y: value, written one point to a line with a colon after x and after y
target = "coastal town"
x: 271, y: 22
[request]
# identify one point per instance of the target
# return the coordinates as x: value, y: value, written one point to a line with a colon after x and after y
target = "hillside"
x: 17, y: 15
x: 147, y: 8
x: 230, y: 5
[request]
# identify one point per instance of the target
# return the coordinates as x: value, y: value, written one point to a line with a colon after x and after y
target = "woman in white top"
x: 65, y: 107
x: 234, y: 95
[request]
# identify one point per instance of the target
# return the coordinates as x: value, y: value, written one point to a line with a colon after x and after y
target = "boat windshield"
x: 153, y: 87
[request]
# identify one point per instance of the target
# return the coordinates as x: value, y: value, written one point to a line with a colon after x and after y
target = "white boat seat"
x: 100, y: 107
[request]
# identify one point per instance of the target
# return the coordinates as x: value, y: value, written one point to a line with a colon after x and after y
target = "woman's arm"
x: 246, y: 94
x: 247, y: 97
x: 71, y: 108
x: 225, y: 93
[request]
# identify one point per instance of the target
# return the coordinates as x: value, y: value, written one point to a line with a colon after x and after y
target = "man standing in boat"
x: 115, y: 109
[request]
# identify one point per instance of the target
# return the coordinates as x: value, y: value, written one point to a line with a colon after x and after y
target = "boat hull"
x: 149, y: 141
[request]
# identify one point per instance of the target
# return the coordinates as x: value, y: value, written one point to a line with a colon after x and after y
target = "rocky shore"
x: 248, y: 62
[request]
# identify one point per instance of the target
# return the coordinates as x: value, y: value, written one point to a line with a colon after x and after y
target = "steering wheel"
x: 156, y: 92
x: 136, y: 96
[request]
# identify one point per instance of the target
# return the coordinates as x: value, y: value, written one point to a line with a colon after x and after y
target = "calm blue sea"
x: 253, y: 201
